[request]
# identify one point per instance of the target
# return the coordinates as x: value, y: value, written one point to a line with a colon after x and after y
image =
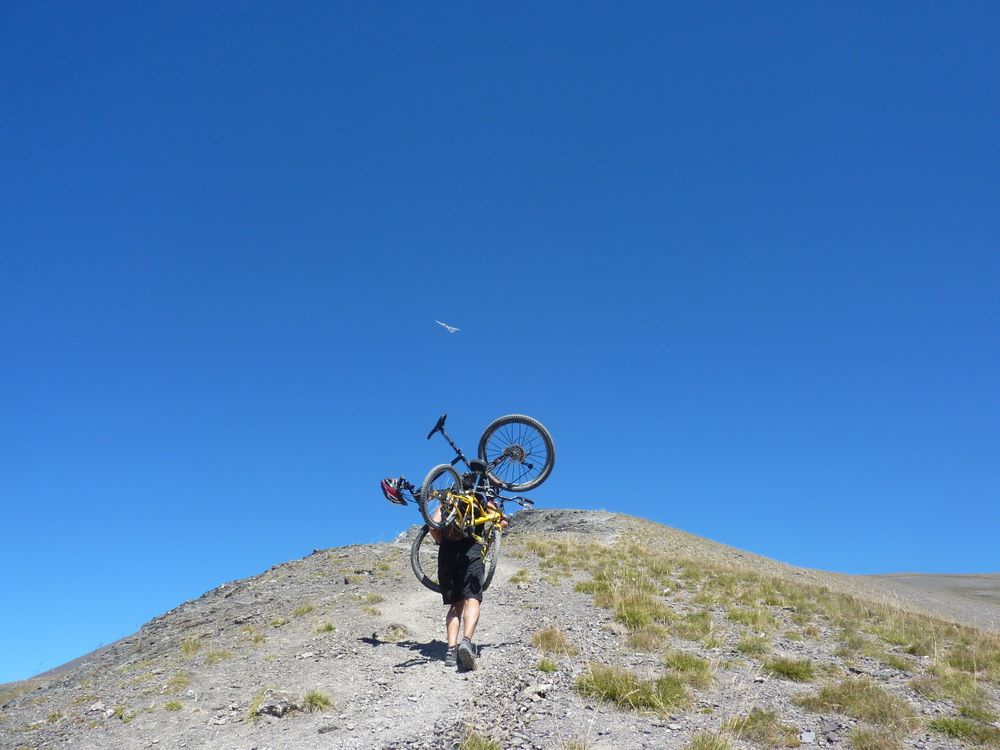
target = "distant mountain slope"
x: 983, y: 589
x: 601, y: 631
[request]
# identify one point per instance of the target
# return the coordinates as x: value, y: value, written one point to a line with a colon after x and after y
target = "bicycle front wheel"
x: 434, y: 504
x: 526, y: 449
x: 423, y: 559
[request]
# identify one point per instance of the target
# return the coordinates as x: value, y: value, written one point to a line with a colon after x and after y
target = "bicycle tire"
x: 525, y: 437
x: 430, y: 493
x: 423, y: 556
x: 492, y: 558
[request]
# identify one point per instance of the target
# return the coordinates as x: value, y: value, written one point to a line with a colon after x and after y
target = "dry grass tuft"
x: 947, y: 683
x: 553, y: 641
x: 316, y: 701
x: 625, y: 689
x: 395, y: 633
x: 753, y: 645
x: 693, y: 626
x: 251, y: 634
x: 965, y: 729
x: 760, y: 620
x: 709, y: 741
x: 177, y: 683
x: 863, y: 699
x: 521, y: 576
x: 475, y: 741
x: 692, y: 669
x: 797, y: 670
x: 547, y: 665
x: 867, y: 738
x: 214, y: 657
x: 763, y: 728
x: 640, y: 610
x: 649, y: 639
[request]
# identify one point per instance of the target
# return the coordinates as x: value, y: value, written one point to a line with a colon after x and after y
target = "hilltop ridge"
x: 343, y: 649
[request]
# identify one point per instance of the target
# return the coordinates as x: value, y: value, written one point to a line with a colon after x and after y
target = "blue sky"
x: 742, y: 261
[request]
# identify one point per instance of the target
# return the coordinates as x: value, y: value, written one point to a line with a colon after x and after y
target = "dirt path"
x: 398, y: 693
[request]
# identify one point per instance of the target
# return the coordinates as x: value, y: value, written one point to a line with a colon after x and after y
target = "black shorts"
x: 461, y: 570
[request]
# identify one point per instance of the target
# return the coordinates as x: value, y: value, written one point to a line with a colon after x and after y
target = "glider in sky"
x: 451, y: 329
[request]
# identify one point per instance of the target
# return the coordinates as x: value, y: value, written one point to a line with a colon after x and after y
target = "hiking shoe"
x: 451, y: 658
x: 466, y: 655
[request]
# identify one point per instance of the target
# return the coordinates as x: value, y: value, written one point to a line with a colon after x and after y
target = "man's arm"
x: 436, y: 533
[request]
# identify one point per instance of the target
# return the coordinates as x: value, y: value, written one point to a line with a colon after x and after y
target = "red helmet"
x: 392, y: 489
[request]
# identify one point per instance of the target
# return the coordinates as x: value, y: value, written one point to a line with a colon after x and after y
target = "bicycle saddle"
x: 477, y: 466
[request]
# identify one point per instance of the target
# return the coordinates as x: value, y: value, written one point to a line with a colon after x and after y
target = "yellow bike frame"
x: 470, y: 513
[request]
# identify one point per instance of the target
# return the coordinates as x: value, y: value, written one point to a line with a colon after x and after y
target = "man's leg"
x: 471, y: 617
x: 452, y: 620
x: 466, y: 654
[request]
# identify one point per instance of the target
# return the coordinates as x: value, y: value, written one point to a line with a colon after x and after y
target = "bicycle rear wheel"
x: 423, y: 559
x: 526, y: 448
x: 492, y: 558
x: 434, y: 506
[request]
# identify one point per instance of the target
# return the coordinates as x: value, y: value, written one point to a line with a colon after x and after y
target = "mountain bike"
x: 515, y: 453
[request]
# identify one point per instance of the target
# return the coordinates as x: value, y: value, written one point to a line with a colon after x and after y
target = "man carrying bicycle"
x: 516, y: 453
x: 460, y: 573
